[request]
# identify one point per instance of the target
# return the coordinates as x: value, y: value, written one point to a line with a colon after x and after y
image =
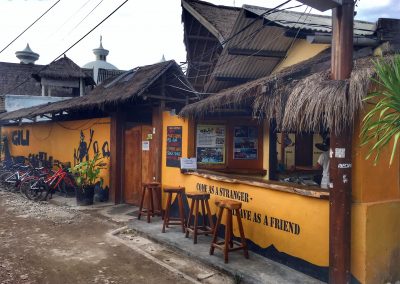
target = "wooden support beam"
x: 163, y: 98
x: 156, y: 153
x: 117, y: 156
x: 256, y: 52
x: 233, y: 79
x: 205, y: 38
x: 340, y: 152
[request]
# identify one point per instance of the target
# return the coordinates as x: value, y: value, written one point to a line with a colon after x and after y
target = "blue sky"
x: 138, y: 34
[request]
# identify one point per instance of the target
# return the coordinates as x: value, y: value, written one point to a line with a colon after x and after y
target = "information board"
x: 174, y: 146
x: 210, y: 144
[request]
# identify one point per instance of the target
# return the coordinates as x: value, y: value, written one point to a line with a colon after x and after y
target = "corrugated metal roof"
x: 312, y: 22
x: 256, y: 37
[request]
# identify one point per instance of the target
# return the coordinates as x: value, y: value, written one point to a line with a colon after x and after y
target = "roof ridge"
x: 212, y: 4
x: 298, y: 12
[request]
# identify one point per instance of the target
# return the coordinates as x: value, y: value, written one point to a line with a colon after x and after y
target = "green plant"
x: 382, y: 123
x: 87, y: 173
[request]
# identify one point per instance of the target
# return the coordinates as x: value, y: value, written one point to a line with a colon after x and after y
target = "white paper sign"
x: 188, y: 163
x: 145, y: 145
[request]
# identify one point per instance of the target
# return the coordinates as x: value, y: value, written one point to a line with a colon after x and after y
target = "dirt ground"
x: 44, y: 243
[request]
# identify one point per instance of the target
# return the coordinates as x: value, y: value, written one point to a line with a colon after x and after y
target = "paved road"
x: 44, y: 243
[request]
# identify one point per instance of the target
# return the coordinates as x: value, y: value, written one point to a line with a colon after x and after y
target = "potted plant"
x: 87, y: 175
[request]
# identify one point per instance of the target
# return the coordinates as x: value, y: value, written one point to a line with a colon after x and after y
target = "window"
x: 230, y: 146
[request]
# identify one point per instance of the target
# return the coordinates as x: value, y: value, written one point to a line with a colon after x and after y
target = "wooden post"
x: 340, y: 152
x: 117, y: 156
x: 156, y: 153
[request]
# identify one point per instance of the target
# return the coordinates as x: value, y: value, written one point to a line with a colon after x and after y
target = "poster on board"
x: 210, y: 144
x: 174, y: 146
x: 245, y: 143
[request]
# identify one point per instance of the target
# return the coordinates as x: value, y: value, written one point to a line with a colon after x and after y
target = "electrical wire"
x: 68, y: 49
x: 70, y: 17
x: 18, y: 36
x: 84, y: 18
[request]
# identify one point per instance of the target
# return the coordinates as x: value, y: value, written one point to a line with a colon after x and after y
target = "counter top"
x: 310, y: 191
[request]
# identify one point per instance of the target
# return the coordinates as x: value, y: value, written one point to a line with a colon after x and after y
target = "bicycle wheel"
x: 32, y: 189
x: 43, y: 191
x: 25, y: 185
x: 7, y: 180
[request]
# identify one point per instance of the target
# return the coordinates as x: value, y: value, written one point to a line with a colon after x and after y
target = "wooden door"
x: 137, y: 167
x: 132, y: 165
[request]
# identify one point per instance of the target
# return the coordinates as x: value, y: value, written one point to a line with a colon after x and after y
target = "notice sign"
x: 188, y: 164
x: 145, y: 145
x: 174, y: 146
x: 245, y: 144
x: 210, y: 144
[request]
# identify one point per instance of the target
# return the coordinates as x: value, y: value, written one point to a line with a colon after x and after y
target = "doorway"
x: 137, y: 162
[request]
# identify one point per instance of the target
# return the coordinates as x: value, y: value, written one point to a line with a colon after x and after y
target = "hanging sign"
x: 174, y: 146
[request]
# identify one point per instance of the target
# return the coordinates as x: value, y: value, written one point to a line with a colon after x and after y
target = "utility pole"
x: 340, y: 152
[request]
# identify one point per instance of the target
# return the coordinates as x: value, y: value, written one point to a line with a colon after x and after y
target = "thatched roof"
x: 118, y: 90
x: 222, y: 18
x: 63, y: 68
x: 300, y: 98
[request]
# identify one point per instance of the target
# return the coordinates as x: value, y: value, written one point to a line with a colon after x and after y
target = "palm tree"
x: 382, y: 123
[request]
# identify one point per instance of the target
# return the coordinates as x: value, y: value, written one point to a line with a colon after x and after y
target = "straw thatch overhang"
x: 63, y: 69
x: 299, y: 98
x: 132, y: 87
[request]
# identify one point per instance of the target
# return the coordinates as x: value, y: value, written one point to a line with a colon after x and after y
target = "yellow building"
x: 245, y: 137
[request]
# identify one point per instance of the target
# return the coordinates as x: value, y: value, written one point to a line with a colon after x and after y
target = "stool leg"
x: 215, y: 236
x: 189, y: 218
x: 242, y: 237
x: 152, y: 202
x: 231, y: 234
x: 181, y: 213
x: 228, y: 229
x: 203, y: 213
x: 159, y: 194
x: 149, y: 195
x: 211, y: 223
x: 196, y: 221
x: 166, y: 217
x: 141, y: 202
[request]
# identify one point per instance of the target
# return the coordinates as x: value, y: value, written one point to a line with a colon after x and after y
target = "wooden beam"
x: 116, y: 157
x: 163, y: 98
x: 156, y: 153
x: 205, y: 38
x: 256, y: 52
x: 233, y: 79
x: 340, y: 152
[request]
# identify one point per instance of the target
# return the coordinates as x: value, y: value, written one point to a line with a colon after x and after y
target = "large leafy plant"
x: 87, y: 173
x: 382, y: 123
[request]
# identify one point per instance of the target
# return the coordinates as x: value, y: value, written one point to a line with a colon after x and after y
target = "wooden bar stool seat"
x: 179, y: 191
x: 150, y: 190
x: 228, y: 244
x: 199, y: 198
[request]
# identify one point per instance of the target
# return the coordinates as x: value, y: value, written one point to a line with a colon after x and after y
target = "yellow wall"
x: 300, y: 51
x: 375, y: 229
x: 376, y: 214
x: 310, y: 214
x: 61, y: 139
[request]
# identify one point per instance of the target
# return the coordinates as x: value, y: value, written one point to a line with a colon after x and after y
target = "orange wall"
x: 61, y: 139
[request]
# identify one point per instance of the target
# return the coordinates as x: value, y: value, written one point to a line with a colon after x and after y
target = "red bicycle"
x: 40, y: 187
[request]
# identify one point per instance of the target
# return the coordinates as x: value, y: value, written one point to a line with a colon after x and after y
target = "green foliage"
x: 382, y: 123
x: 87, y: 173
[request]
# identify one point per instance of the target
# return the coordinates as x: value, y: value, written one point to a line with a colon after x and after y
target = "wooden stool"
x: 228, y: 244
x: 198, y: 197
x: 167, y: 219
x: 150, y: 211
